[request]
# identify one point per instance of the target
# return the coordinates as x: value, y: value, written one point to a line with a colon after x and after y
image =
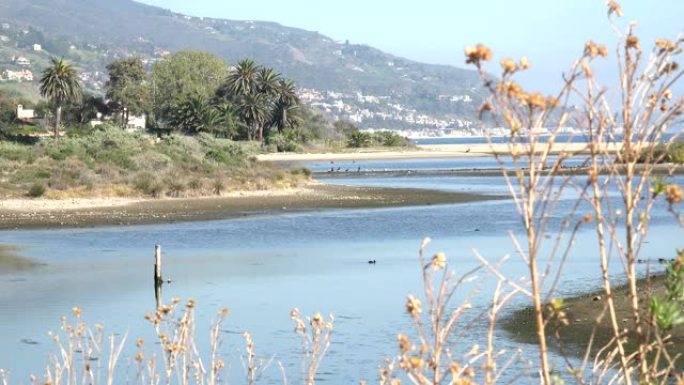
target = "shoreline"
x: 582, y: 310
x: 91, y: 212
x: 459, y: 150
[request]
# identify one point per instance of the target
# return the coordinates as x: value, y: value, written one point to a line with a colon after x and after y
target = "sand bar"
x: 46, y: 213
x: 430, y: 151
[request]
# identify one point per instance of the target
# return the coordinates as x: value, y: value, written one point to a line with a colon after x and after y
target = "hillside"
x: 351, y: 81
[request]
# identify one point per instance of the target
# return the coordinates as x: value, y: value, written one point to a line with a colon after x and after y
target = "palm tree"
x: 267, y: 81
x: 192, y: 115
x: 285, y: 105
x: 59, y: 84
x: 230, y: 119
x: 242, y: 80
x: 253, y: 111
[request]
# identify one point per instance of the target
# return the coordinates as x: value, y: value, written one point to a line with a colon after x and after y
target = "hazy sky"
x: 551, y: 33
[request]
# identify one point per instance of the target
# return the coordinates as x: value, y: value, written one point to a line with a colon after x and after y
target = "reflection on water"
x: 261, y: 267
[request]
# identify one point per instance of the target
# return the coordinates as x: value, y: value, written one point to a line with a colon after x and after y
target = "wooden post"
x: 157, y: 264
x: 157, y: 276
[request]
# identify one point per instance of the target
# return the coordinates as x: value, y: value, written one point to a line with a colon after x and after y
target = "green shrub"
x: 195, y: 184
x: 390, y: 139
x: 218, y: 186
x: 675, y: 152
x: 176, y: 185
x: 360, y: 139
x: 37, y: 190
x: 149, y: 184
x: 301, y: 171
x: 282, y: 142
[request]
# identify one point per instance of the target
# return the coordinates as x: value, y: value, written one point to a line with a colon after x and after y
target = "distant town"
x: 26, y: 58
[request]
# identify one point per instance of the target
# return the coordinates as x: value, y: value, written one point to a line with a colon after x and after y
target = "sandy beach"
x: 82, y: 212
x: 429, y: 151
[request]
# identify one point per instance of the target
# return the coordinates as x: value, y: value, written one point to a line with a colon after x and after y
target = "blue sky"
x: 550, y: 33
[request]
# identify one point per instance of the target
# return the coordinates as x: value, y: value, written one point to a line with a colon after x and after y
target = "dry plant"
x: 254, y: 366
x: 316, y: 339
x: 437, y: 356
x: 80, y: 354
x: 86, y: 356
x: 621, y: 155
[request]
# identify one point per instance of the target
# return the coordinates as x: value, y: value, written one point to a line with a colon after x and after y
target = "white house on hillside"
x: 17, y: 76
x: 22, y: 61
x: 24, y: 113
x: 135, y: 123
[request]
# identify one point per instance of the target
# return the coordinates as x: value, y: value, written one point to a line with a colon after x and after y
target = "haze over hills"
x: 350, y: 81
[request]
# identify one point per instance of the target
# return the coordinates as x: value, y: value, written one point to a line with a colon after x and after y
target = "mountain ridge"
x: 377, y: 88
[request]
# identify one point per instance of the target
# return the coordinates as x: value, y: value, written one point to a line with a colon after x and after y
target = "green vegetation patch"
x: 111, y: 162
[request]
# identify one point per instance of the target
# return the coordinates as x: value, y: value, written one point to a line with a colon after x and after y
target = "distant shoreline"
x: 431, y: 151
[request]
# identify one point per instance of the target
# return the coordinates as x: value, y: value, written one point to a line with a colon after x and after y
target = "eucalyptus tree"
x: 182, y: 75
x: 127, y: 88
x: 60, y: 85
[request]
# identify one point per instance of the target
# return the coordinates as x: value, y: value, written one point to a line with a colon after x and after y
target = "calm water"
x: 261, y: 267
x: 566, y: 138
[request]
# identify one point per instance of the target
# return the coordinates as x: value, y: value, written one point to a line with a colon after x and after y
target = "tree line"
x: 190, y: 92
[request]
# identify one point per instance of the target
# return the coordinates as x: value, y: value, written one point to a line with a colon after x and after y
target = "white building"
x: 17, y: 76
x: 135, y: 123
x: 37, y: 47
x: 22, y: 61
x: 24, y: 113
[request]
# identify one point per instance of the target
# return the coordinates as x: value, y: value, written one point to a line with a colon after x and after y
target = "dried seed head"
x: 508, y: 66
x: 665, y: 45
x: 591, y: 49
x: 535, y: 100
x: 439, y: 261
x: 140, y: 342
x: 416, y: 362
x: 76, y: 311
x: 510, y: 88
x: 477, y: 54
x: 405, y: 345
x: 673, y: 194
x: 524, y: 63
x: 632, y: 42
x: 588, y: 218
x: 413, y: 306
x: 614, y: 7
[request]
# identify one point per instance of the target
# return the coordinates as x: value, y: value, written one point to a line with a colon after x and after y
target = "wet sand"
x: 583, y: 311
x: 43, y: 213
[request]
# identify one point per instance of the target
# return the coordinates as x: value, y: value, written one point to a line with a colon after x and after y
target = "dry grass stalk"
x: 316, y: 338
x: 438, y: 329
x: 645, y: 111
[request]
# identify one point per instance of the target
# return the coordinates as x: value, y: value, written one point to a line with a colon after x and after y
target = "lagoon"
x: 261, y: 267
